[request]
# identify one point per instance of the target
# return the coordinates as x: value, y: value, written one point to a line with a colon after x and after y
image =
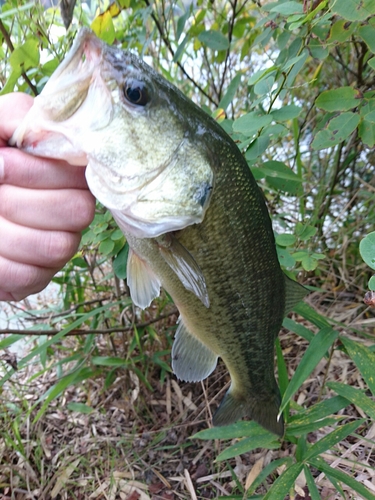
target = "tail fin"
x: 263, y: 411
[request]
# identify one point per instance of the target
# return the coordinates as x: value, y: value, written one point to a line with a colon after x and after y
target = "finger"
x: 60, y: 209
x: 14, y: 107
x: 37, y: 247
x: 20, y: 280
x: 21, y: 169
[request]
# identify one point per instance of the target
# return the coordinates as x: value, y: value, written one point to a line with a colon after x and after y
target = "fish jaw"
x: 53, y: 126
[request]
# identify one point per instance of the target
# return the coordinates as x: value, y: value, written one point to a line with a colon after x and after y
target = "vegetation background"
x: 88, y: 405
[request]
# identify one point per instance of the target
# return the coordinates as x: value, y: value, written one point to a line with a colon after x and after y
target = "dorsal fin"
x: 294, y: 293
x: 143, y: 283
x: 192, y: 361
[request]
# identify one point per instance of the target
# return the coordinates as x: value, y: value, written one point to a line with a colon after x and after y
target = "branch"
x: 88, y: 332
x: 170, y: 48
x: 10, y: 45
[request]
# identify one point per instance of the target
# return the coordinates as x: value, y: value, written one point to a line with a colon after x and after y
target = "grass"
x: 111, y: 435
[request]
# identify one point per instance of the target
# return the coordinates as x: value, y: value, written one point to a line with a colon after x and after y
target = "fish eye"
x: 136, y: 92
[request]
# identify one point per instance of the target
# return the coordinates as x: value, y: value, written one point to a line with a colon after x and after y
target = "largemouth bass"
x: 193, y: 215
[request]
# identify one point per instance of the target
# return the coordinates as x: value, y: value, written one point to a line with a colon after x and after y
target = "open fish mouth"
x: 53, y: 127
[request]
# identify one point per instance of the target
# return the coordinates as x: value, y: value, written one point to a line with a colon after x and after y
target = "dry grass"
x: 135, y: 443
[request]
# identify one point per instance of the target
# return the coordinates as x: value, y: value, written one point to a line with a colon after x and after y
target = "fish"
x: 192, y: 213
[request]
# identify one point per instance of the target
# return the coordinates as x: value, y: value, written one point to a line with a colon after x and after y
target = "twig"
x: 88, y: 332
x: 10, y: 45
x: 170, y: 48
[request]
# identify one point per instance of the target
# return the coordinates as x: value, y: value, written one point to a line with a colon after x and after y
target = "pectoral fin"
x: 192, y: 361
x: 185, y: 266
x: 294, y: 293
x: 143, y: 283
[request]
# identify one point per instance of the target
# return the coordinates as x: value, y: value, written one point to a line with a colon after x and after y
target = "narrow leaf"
x: 314, y: 353
x: 265, y: 440
x: 331, y: 439
x: 281, y: 487
x: 355, y: 396
x: 364, y: 360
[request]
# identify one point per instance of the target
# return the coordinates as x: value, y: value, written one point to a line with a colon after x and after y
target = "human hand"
x: 44, y: 206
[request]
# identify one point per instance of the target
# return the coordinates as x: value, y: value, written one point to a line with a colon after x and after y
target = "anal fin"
x: 192, y: 361
x: 143, y: 283
x: 185, y: 266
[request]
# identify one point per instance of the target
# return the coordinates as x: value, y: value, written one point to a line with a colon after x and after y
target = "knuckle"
x: 83, y: 210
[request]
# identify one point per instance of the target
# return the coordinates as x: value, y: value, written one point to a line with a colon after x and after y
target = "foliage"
x: 292, y: 83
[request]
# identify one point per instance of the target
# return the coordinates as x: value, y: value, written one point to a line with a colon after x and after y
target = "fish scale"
x: 190, y: 209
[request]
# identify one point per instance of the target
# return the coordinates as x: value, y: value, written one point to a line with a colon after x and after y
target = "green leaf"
x: 250, y: 123
x: 281, y: 177
x: 237, y: 430
x: 317, y: 349
x: 313, y: 490
x: 231, y: 92
x: 310, y: 314
x: 355, y: 396
x: 281, y: 487
x: 337, y: 130
x: 367, y: 249
x: 286, y: 113
x: 350, y: 481
x: 120, y: 263
x: 257, y: 147
x: 364, y: 360
x: 288, y: 8
x: 298, y: 328
x: 302, y: 430
x: 103, y: 27
x: 26, y: 56
x: 319, y: 411
x: 366, y: 131
x: 109, y: 361
x: 269, y: 469
x: 331, y: 439
x: 263, y: 439
x: 285, y: 240
x: 371, y: 283
x: 285, y: 258
x: 106, y: 246
x: 371, y: 63
x: 354, y: 10
x: 259, y: 75
x: 366, y: 32
x: 341, y: 30
x: 80, y: 408
x: 341, y: 99
x: 213, y: 39
x: 305, y: 232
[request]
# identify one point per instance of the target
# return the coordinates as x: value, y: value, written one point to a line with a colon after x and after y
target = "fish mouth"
x: 51, y: 127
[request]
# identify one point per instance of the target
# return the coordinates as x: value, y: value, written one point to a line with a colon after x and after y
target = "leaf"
x: 214, y: 40
x: 25, y: 56
x: 341, y: 30
x: 310, y: 314
x: 237, y: 430
x: 366, y: 131
x: 250, y: 123
x: 355, y: 485
x: 109, y: 361
x: 286, y: 113
x: 354, y: 10
x: 281, y: 177
x: 367, y: 249
x: 103, y: 27
x: 288, y: 8
x: 366, y: 32
x: 317, y: 349
x: 269, y: 469
x: 284, y: 257
x: 281, y: 487
x: 334, y: 437
x: 106, y: 246
x: 364, y: 360
x: 299, y: 329
x: 263, y: 439
x: 285, y: 240
x: 120, y: 262
x: 231, y: 92
x: 371, y: 283
x: 313, y: 490
x: 337, y: 130
x: 341, y: 99
x: 319, y: 411
x: 302, y: 430
x: 80, y: 408
x: 355, y: 396
x: 257, y: 147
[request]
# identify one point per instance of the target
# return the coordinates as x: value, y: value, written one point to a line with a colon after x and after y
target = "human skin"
x: 44, y: 206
